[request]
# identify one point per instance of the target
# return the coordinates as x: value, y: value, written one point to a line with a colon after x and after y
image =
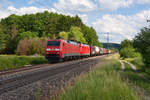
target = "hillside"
x: 15, y: 28
x: 111, y: 45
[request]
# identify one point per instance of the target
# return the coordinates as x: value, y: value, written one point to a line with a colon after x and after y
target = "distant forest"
x: 14, y: 29
x: 112, y: 45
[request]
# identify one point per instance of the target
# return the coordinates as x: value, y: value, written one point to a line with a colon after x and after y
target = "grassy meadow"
x: 13, y: 61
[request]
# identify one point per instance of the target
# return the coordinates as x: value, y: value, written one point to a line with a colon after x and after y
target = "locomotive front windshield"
x: 53, y: 43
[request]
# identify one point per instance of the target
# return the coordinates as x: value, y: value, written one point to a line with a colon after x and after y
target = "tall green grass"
x: 139, y: 78
x: 12, y: 61
x: 138, y: 61
x: 103, y: 83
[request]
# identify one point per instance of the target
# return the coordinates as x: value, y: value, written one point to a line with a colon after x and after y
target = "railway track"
x: 40, y: 72
x: 4, y: 72
x: 11, y: 71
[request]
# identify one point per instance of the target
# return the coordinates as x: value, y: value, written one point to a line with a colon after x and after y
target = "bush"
x: 129, y: 52
x: 11, y: 62
x: 32, y: 46
x: 142, y: 43
x: 138, y: 61
x: 146, y: 56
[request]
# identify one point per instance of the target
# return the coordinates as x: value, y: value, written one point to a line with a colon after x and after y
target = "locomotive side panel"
x: 84, y: 50
x: 70, y: 49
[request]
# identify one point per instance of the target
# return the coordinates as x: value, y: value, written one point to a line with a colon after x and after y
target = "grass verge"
x: 102, y: 83
x: 139, y: 78
x: 13, y: 61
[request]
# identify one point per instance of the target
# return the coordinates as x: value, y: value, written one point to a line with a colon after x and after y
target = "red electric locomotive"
x: 84, y: 50
x: 53, y: 50
x: 58, y: 50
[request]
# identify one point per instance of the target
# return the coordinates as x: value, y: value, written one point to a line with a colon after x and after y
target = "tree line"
x: 15, y: 28
x: 138, y: 47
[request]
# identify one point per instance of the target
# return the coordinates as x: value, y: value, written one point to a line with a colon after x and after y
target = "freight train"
x: 61, y: 50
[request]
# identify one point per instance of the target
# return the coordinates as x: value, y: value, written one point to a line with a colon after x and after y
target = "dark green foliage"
x: 142, y: 43
x: 3, y: 39
x: 27, y: 34
x: 112, y: 45
x: 126, y: 43
x: 127, y: 50
x: 15, y: 28
x: 42, y: 23
x: 90, y: 36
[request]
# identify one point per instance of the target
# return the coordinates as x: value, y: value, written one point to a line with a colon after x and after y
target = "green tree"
x: 91, y: 36
x: 64, y: 35
x: 142, y: 43
x: 46, y: 24
x: 127, y: 50
x: 76, y: 34
x: 125, y: 44
x: 27, y: 34
x: 3, y: 39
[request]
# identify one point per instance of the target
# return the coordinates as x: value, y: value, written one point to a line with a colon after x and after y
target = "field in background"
x: 13, y: 61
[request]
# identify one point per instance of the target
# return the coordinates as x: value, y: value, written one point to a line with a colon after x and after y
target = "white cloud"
x: 28, y: 10
x: 84, y: 17
x: 114, y: 4
x: 33, y: 10
x: 143, y: 1
x: 3, y: 14
x: 121, y: 27
x: 75, y: 5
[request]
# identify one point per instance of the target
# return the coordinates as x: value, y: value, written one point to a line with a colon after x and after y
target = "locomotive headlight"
x: 57, y: 53
x: 57, y: 49
x: 48, y: 49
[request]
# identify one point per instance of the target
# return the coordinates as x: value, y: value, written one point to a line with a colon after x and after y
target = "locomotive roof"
x: 69, y: 41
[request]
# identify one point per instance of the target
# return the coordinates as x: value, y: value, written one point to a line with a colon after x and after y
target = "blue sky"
x: 123, y: 19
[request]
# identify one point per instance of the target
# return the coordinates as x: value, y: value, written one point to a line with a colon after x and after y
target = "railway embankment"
x: 95, y: 78
x: 104, y: 82
x: 44, y: 82
x: 112, y: 79
x: 9, y: 62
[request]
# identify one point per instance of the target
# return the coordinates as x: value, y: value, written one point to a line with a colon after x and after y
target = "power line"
x: 148, y: 21
x: 107, y: 40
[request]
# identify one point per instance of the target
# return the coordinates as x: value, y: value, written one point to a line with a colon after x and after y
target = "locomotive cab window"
x: 53, y: 43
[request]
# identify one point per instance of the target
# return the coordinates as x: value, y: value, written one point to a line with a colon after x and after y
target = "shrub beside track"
x: 13, y: 61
